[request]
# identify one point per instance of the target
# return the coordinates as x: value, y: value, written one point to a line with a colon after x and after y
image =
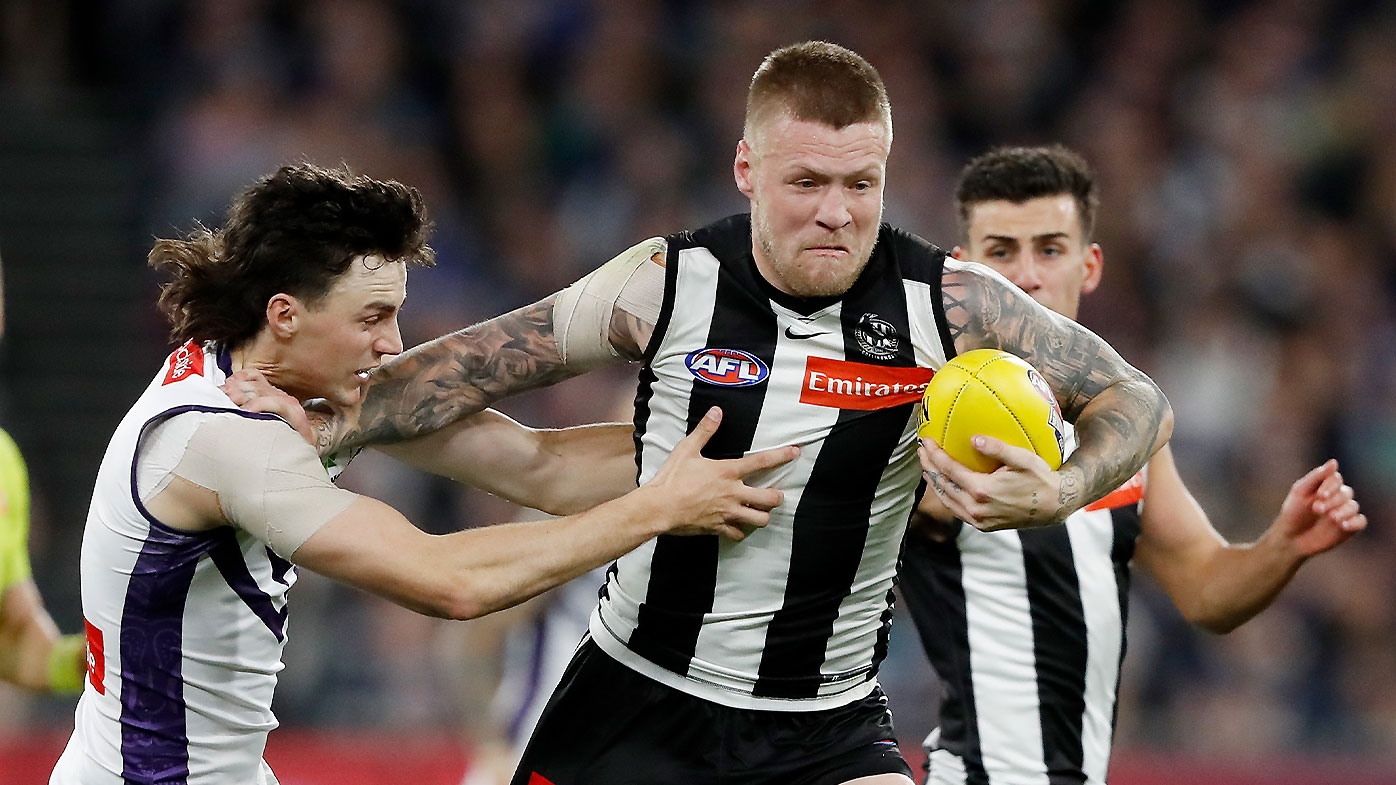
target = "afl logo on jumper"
x: 727, y: 367
x: 1054, y: 416
x: 876, y: 337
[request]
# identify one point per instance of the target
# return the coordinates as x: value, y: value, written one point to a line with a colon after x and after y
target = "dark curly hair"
x: 294, y: 231
x: 1017, y: 174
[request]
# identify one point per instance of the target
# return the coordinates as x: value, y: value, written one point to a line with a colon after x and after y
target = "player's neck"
x: 259, y: 354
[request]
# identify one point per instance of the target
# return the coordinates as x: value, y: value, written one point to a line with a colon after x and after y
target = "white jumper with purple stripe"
x: 185, y: 629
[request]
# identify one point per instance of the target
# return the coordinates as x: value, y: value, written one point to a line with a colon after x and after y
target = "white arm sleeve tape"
x: 582, y: 312
x: 269, y: 481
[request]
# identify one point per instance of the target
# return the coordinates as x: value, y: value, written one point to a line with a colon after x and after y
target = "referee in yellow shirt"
x: 32, y: 654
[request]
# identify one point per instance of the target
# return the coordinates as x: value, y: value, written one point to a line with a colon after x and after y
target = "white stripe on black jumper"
x: 683, y: 571
x: 800, y: 610
x: 997, y: 612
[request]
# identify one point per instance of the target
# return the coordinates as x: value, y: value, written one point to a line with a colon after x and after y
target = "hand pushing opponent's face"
x: 816, y: 200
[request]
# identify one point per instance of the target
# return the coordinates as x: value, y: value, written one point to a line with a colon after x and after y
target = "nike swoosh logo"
x: 790, y: 333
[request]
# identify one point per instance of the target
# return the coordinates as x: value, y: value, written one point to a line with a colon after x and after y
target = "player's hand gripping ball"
x: 994, y: 393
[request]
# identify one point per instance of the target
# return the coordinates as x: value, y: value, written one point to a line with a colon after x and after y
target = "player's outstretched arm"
x: 606, y: 317
x: 1220, y: 586
x: 1121, y: 416
x: 474, y: 572
x: 559, y: 471
x: 444, y: 380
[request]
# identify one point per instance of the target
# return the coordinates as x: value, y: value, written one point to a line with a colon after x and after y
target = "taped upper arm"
x: 603, y: 317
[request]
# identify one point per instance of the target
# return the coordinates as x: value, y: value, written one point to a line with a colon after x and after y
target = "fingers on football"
x: 1016, y: 457
x: 940, y: 459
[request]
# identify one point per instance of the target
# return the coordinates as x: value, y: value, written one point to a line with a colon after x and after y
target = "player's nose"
x: 390, y: 341
x: 1026, y: 276
x: 833, y: 210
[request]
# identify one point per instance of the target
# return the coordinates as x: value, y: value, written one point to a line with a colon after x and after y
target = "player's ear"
x: 1095, y: 266
x: 283, y: 311
x: 741, y: 168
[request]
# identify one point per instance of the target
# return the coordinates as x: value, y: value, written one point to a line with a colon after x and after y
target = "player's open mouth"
x: 363, y: 373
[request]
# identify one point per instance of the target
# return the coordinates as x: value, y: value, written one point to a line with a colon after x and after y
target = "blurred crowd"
x: 1246, y: 153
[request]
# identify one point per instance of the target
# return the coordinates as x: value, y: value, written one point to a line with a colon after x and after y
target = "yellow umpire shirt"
x: 14, y: 514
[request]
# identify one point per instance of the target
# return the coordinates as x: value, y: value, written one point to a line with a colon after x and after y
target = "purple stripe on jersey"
x: 154, y: 743
x: 279, y: 567
x: 154, y: 747
x: 227, y: 557
x: 225, y: 360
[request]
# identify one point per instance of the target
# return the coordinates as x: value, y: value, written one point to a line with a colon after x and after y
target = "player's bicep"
x: 985, y: 310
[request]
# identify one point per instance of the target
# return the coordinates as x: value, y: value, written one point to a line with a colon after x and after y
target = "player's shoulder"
x: 728, y: 237
x: 256, y: 428
x: 229, y: 436
x: 904, y: 240
x: 653, y: 249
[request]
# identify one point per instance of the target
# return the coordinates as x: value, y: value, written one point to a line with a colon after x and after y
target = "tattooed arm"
x: 610, y: 315
x: 1121, y: 416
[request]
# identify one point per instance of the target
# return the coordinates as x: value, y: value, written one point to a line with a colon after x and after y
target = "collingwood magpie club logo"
x: 876, y: 337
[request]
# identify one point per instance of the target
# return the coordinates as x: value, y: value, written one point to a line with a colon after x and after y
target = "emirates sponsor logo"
x: 187, y: 360
x: 841, y: 384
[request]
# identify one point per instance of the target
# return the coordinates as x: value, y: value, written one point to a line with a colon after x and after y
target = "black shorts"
x: 608, y: 725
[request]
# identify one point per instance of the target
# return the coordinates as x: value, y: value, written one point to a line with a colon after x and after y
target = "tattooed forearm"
x: 1116, y: 435
x: 985, y: 310
x: 442, y: 381
x: 1121, y: 416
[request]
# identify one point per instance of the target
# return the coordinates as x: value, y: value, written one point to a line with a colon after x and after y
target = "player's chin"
x: 827, y: 280
x: 348, y: 394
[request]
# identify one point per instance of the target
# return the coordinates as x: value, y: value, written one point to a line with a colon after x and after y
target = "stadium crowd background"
x: 1246, y: 153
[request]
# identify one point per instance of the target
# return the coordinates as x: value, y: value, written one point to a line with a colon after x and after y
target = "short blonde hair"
x: 820, y: 82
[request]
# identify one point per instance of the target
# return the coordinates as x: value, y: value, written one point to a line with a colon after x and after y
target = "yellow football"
x: 994, y: 393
